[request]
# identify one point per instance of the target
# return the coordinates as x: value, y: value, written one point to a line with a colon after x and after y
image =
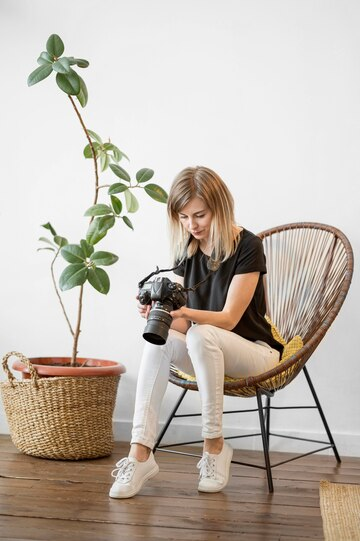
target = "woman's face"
x: 196, y: 218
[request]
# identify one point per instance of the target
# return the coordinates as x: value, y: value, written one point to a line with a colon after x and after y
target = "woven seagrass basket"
x: 67, y: 418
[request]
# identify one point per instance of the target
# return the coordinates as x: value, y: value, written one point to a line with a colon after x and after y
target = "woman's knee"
x: 162, y: 353
x: 200, y: 336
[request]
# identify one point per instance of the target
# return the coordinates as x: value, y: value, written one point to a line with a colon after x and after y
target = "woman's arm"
x: 240, y: 293
x: 179, y: 324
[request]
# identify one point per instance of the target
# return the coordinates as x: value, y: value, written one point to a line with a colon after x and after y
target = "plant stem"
x: 77, y: 330
x: 92, y: 150
x: 58, y: 294
x: 96, y: 190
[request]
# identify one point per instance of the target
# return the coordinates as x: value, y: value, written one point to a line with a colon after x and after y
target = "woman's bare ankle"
x: 213, y: 446
x: 140, y: 452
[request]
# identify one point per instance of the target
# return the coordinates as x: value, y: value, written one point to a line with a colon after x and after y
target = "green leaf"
x: 117, y: 153
x: 50, y: 228
x: 44, y: 239
x: 73, y: 253
x: 62, y: 65
x: 44, y: 58
x: 103, y: 258
x: 83, y: 94
x: 156, y: 192
x: 132, y: 203
x: 116, y: 204
x: 109, y: 146
x: 39, y: 74
x: 98, y: 228
x: 60, y: 241
x: 94, y: 234
x: 99, y: 279
x: 106, y: 222
x: 46, y: 248
x: 120, y: 172
x: 95, y: 136
x: 87, y: 248
x: 143, y: 175
x: 104, y: 161
x: 98, y: 210
x: 122, y: 155
x: 118, y: 187
x: 128, y: 222
x: 72, y: 276
x: 55, y: 46
x: 69, y: 83
x: 88, y: 152
x: 82, y: 63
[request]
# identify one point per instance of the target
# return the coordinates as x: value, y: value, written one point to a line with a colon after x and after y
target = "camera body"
x: 166, y: 296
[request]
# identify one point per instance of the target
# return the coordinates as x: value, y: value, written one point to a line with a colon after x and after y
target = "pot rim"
x: 98, y: 367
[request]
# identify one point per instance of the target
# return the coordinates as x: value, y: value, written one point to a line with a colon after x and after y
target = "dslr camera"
x: 166, y: 296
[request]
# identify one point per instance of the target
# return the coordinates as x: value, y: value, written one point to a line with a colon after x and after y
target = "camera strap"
x: 211, y: 264
x: 157, y: 271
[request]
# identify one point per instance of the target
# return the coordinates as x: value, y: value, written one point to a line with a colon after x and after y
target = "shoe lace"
x: 124, y: 470
x: 206, y: 466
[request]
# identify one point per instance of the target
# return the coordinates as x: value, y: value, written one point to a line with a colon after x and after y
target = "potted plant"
x: 79, y: 397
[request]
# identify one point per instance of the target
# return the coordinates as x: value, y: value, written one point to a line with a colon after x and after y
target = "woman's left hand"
x: 179, y: 314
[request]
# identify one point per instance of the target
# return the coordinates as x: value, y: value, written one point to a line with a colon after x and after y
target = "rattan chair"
x: 310, y: 268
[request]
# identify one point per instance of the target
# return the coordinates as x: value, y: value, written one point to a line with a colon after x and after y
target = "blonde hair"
x: 206, y: 184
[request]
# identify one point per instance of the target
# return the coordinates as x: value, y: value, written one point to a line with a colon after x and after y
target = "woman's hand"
x: 179, y: 314
x: 180, y: 322
x: 144, y: 309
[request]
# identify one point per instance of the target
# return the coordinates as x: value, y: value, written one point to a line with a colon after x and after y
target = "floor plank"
x: 46, y: 499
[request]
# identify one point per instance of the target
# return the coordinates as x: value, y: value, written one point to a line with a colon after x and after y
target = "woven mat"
x: 340, y: 511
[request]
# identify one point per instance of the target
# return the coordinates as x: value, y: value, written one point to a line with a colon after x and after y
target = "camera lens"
x: 158, y: 325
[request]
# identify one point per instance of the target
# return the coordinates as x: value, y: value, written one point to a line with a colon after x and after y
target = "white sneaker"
x: 130, y: 475
x: 215, y: 470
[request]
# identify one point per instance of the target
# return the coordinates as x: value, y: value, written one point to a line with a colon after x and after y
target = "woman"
x: 221, y: 330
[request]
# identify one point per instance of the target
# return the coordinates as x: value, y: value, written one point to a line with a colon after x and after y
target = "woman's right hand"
x: 144, y: 309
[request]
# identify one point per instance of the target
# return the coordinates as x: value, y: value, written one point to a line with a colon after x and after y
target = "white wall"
x: 267, y: 93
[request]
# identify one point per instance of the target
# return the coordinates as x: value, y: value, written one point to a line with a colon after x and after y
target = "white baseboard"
x: 4, y: 428
x: 347, y: 444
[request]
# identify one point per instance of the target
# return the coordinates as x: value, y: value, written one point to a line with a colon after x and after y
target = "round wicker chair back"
x: 310, y: 267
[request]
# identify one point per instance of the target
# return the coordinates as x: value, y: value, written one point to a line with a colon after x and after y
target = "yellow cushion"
x: 275, y: 332
x: 290, y: 349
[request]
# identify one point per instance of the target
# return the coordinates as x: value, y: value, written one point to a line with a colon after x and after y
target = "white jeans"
x: 207, y: 352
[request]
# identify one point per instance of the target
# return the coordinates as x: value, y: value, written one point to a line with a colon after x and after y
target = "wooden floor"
x: 55, y: 500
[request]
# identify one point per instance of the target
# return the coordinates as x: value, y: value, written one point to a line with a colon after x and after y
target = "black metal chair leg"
x: 267, y: 420
x: 318, y: 405
x: 170, y: 418
x: 264, y: 440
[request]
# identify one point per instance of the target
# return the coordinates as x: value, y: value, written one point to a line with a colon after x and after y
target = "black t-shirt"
x: 211, y: 295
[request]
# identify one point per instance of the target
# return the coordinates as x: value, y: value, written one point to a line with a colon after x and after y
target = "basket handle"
x: 33, y: 373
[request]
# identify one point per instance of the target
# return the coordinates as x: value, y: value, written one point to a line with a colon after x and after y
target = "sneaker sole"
x: 218, y: 489
x: 133, y: 492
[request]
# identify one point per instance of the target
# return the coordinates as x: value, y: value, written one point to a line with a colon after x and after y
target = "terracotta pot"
x: 63, y: 418
x: 60, y: 366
